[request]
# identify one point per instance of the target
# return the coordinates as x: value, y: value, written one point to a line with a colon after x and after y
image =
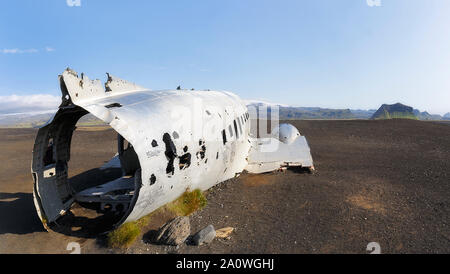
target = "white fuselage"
x: 170, y: 141
x: 184, y: 140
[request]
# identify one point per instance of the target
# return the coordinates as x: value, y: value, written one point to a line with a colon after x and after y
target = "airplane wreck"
x: 168, y: 141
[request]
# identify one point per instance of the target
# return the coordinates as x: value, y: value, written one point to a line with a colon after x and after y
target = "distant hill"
x: 290, y: 112
x: 315, y: 113
x: 362, y: 113
x: 33, y: 120
x: 426, y: 116
x: 24, y: 120
x: 395, y: 111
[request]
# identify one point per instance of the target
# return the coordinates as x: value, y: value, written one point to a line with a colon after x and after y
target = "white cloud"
x: 16, y: 50
x: 28, y: 103
x: 20, y: 51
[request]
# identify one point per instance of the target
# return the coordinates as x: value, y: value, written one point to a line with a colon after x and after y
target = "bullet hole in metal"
x: 185, y: 161
x: 152, y: 179
x: 171, y: 153
x: 113, y: 105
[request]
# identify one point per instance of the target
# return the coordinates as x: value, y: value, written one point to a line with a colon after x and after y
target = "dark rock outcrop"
x: 395, y: 111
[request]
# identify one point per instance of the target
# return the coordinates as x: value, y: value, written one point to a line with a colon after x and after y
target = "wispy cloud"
x: 15, y: 51
x: 28, y: 103
x: 22, y: 51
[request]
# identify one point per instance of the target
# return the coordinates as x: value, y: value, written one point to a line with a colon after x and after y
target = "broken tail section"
x: 78, y: 89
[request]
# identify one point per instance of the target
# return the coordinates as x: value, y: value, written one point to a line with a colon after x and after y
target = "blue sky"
x: 326, y: 53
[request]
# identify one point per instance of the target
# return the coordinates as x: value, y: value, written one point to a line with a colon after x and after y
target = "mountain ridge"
x: 33, y: 120
x: 394, y: 111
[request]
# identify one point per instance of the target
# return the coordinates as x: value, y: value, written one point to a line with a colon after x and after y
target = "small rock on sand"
x: 224, y: 232
x: 204, y: 236
x: 174, y: 232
